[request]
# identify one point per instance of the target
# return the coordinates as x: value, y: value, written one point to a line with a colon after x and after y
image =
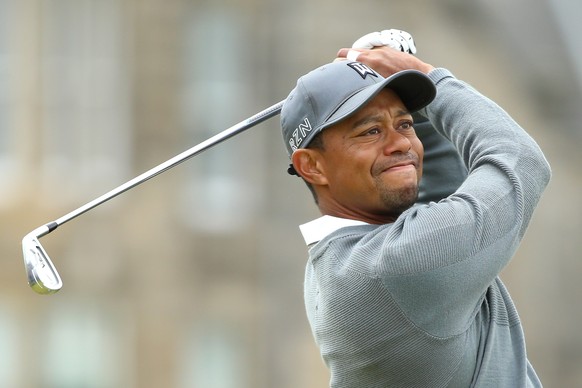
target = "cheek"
x: 349, y: 171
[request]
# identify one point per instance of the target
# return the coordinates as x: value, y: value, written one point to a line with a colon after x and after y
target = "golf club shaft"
x: 214, y: 140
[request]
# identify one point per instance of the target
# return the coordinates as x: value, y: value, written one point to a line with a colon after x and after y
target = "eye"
x: 372, y: 131
x: 405, y: 126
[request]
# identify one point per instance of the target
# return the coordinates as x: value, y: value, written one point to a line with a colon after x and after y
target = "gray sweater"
x: 418, y: 303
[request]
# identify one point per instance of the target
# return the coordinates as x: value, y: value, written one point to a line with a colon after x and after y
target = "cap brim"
x: 413, y: 87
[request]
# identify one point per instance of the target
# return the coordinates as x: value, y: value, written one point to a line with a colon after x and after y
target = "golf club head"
x: 43, y: 277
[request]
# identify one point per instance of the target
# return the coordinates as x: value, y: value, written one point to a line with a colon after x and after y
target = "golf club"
x: 43, y: 277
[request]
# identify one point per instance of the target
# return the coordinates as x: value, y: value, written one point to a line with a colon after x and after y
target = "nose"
x: 396, y: 143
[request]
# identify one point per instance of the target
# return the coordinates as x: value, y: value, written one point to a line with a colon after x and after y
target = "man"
x: 403, y: 291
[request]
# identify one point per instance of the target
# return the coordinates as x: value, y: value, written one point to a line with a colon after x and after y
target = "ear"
x: 308, y: 164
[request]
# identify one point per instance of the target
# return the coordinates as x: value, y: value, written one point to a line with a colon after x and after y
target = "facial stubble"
x: 396, y: 200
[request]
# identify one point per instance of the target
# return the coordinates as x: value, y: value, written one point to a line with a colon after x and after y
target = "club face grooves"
x: 43, y: 277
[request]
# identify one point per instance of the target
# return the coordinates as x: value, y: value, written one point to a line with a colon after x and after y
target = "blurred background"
x: 195, y: 279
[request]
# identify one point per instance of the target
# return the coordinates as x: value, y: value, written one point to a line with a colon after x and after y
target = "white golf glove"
x: 397, y: 39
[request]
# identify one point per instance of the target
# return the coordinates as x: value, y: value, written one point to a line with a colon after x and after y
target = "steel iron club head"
x: 42, y: 275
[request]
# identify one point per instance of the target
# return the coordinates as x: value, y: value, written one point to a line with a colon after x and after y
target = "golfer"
x: 402, y: 290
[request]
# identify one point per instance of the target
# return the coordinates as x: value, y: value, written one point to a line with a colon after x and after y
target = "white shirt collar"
x: 321, y: 227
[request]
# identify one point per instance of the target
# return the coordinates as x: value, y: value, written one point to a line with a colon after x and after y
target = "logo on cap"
x: 362, y: 69
x: 299, y: 134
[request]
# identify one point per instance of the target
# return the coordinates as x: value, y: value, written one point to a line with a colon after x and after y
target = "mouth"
x: 401, y: 166
x: 406, y: 163
x: 404, y: 166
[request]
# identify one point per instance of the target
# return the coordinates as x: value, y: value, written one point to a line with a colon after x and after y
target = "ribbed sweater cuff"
x: 438, y: 74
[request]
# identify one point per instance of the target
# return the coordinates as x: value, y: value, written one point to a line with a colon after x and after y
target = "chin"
x: 397, y: 201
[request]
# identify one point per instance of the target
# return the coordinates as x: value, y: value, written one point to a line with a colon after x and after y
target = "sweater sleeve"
x: 439, y: 258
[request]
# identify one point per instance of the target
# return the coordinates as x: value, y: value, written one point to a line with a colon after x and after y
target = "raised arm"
x: 443, y: 169
x: 456, y: 248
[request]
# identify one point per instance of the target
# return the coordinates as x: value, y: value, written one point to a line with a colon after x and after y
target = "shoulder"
x: 352, y: 249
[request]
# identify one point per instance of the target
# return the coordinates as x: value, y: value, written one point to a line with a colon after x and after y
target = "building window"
x: 221, y: 191
x: 214, y: 357
x: 10, y: 368
x: 8, y: 162
x: 85, y: 96
x: 85, y: 346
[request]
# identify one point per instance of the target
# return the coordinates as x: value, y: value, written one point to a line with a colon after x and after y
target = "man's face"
x: 372, y: 162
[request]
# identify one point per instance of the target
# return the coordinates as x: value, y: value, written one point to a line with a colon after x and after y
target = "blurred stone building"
x: 195, y: 278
